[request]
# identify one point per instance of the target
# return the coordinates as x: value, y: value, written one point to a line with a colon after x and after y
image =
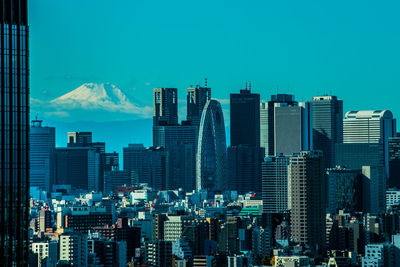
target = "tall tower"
x: 372, y: 127
x: 245, y: 118
x: 165, y: 103
x: 394, y: 162
x: 197, y: 98
x: 268, y: 119
x: 244, y: 155
x: 327, y: 126
x: 211, y: 148
x: 42, y: 155
x: 307, y: 199
x: 14, y: 141
x: 275, y: 184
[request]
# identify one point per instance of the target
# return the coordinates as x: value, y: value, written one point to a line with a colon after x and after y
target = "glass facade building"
x: 211, y: 148
x: 14, y: 139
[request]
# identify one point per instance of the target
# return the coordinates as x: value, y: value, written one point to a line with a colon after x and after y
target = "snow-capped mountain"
x: 104, y: 96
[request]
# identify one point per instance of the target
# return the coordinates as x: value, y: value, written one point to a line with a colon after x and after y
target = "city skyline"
x: 193, y: 136
x: 337, y: 56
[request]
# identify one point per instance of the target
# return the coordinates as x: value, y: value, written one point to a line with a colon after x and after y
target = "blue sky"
x: 346, y: 48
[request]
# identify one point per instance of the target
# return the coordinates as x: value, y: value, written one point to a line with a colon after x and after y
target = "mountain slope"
x: 105, y: 96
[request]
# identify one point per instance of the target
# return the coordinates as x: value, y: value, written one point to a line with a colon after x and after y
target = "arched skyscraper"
x: 211, y: 148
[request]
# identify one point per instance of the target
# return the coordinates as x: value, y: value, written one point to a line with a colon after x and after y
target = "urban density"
x: 298, y: 183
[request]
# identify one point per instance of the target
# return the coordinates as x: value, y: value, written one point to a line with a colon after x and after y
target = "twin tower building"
x: 196, y: 147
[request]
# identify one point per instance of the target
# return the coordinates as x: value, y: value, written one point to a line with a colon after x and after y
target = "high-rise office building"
x: 14, y: 141
x: 327, y: 126
x: 197, y: 98
x: 345, y: 190
x: 158, y: 253
x: 244, y: 168
x: 296, y: 139
x: 180, y: 141
x: 267, y: 120
x: 374, y: 189
x: 245, y: 118
x: 370, y: 126
x: 114, y: 179
x: 42, y: 155
x: 81, y: 139
x: 264, y: 126
x: 394, y: 162
x: 111, y: 161
x: 211, y: 148
x: 73, y: 248
x: 133, y: 158
x: 147, y: 165
x: 307, y: 199
x: 244, y: 155
x: 165, y: 103
x: 354, y: 156
x: 275, y: 184
x: 78, y: 167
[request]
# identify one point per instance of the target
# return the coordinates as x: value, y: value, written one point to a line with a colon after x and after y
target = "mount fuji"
x: 104, y: 97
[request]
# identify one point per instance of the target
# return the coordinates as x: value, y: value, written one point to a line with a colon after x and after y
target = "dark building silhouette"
x: 78, y: 167
x: 244, y: 155
x: 327, y: 126
x: 394, y: 162
x: 245, y: 118
x: 165, y: 104
x: 115, y: 179
x: 244, y: 168
x: 197, y: 98
x: 42, y: 155
x: 180, y: 141
x: 148, y: 165
x: 111, y: 161
x: 14, y: 140
x: 79, y: 139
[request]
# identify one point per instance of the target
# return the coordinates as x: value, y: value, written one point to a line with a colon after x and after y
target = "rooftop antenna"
x: 205, y: 82
x: 249, y: 86
x: 245, y: 88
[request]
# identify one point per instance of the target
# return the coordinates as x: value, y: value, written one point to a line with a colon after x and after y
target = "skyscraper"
x: 327, y: 126
x: 267, y: 117
x: 291, y: 129
x: 245, y: 118
x: 148, y: 165
x: 180, y: 141
x: 394, y: 162
x: 14, y: 169
x: 370, y: 126
x: 244, y: 168
x: 79, y: 167
x: 374, y: 188
x: 42, y: 155
x: 211, y: 148
x: 197, y: 98
x: 344, y: 190
x: 82, y: 139
x: 274, y: 175
x: 264, y: 126
x: 244, y: 155
x: 307, y: 199
x: 165, y: 103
